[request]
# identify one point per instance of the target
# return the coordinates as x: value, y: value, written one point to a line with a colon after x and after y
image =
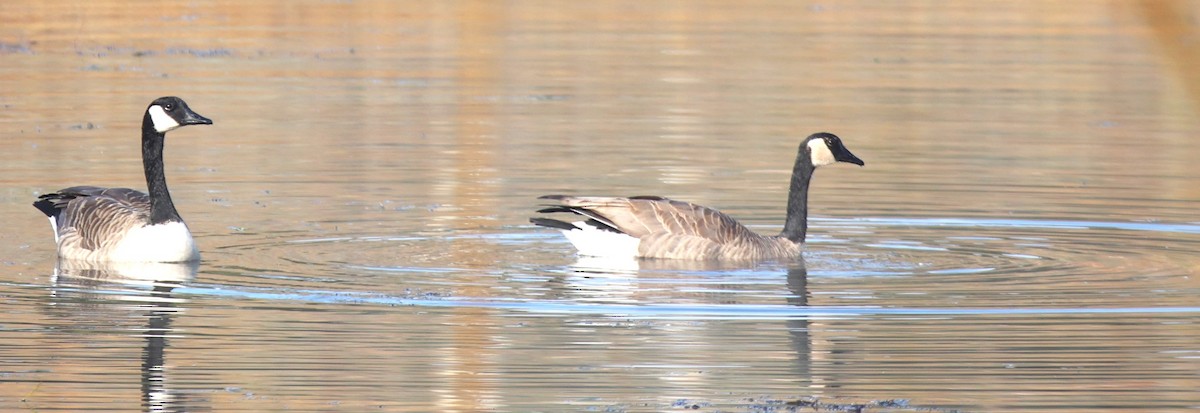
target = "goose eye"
x: 169, y: 107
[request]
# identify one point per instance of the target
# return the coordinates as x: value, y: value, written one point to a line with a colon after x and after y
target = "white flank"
x: 600, y: 243
x: 821, y: 155
x: 163, y: 122
x: 169, y: 242
x: 54, y: 226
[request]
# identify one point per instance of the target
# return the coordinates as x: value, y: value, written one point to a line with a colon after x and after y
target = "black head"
x: 168, y: 113
x: 825, y: 148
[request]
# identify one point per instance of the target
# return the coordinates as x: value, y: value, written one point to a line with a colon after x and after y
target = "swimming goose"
x: 657, y: 227
x: 120, y: 224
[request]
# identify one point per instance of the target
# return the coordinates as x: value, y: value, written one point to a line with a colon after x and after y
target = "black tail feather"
x: 567, y: 226
x: 552, y: 223
x: 53, y: 203
x: 601, y: 225
x: 46, y: 206
x: 594, y: 218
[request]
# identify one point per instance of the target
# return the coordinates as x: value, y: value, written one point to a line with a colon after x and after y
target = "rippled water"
x: 1023, y: 236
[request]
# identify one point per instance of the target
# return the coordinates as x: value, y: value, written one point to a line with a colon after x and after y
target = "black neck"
x: 161, y: 208
x: 797, y: 208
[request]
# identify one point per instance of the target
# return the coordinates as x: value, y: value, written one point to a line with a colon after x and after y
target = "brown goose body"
x: 658, y: 227
x: 666, y: 228
x: 90, y: 223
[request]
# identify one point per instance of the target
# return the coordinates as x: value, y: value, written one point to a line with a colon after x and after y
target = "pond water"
x: 1023, y: 236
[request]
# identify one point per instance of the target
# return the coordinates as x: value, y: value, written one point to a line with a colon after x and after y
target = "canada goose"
x: 657, y: 227
x: 120, y: 224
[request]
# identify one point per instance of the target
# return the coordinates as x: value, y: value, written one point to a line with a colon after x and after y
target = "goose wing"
x: 94, y: 217
x: 654, y: 219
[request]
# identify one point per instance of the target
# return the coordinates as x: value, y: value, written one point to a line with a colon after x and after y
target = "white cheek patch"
x: 163, y: 122
x: 821, y: 155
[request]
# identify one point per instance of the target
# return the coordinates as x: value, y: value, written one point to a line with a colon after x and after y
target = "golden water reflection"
x: 363, y: 194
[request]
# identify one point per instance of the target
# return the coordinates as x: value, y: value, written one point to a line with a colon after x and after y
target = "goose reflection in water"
x: 608, y: 280
x: 102, y: 293
x: 622, y: 280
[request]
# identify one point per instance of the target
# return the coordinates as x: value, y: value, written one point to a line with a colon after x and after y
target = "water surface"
x: 1023, y: 236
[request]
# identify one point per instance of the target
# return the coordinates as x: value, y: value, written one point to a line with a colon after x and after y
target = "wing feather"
x: 94, y: 218
x: 667, y: 228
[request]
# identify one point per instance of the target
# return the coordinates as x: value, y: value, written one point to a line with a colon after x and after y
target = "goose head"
x: 168, y: 113
x: 825, y: 148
